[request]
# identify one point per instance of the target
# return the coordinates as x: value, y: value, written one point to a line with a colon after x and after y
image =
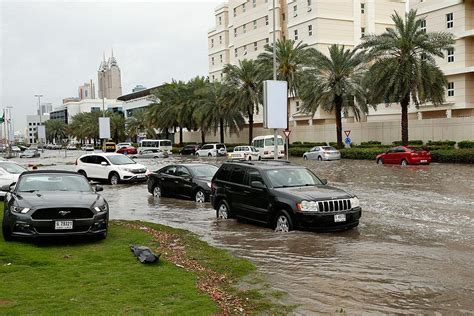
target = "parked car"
x: 162, y: 144
x: 405, y: 155
x: 71, y: 147
x: 88, y: 147
x: 266, y: 145
x: 283, y: 196
x: 322, y: 153
x: 57, y: 146
x: 22, y: 148
x: 245, y: 152
x: 15, y: 149
x: 150, y: 153
x: 120, y: 145
x: 183, y: 180
x: 189, y: 150
x: 127, y: 150
x: 9, y: 173
x: 30, y: 153
x: 54, y: 204
x: 212, y: 150
x: 113, y: 167
x: 108, y: 147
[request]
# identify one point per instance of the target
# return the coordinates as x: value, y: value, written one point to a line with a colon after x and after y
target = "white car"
x: 71, y: 147
x: 322, y: 153
x: 114, y: 168
x: 121, y: 145
x: 245, y: 152
x: 212, y: 150
x: 9, y: 173
x: 88, y: 147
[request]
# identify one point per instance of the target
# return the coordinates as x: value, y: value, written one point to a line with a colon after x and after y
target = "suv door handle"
x: 227, y: 187
x: 246, y: 192
x: 176, y: 181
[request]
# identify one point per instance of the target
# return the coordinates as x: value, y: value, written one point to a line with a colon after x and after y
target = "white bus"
x: 266, y: 145
x: 162, y: 144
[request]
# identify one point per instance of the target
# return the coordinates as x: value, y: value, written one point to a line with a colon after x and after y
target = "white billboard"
x: 275, y: 97
x: 104, y: 127
x: 41, y: 132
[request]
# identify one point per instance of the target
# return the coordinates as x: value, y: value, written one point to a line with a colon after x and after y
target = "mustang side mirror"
x: 324, y: 181
x: 257, y: 184
x: 98, y: 188
x: 103, y: 163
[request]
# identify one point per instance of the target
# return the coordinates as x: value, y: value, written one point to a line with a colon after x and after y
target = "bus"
x: 266, y: 145
x: 162, y: 144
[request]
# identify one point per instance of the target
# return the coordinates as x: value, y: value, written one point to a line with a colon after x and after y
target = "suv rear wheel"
x: 114, y: 178
x: 283, y: 222
x: 223, y: 210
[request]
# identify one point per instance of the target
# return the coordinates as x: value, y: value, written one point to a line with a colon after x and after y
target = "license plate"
x: 422, y: 161
x: 339, y: 218
x: 63, y: 225
x: 140, y: 176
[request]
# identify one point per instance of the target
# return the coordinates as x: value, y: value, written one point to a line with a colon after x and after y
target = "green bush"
x: 307, y: 144
x: 466, y: 144
x: 453, y: 155
x: 410, y: 143
x: 361, y: 153
x: 333, y: 144
x: 296, y: 143
x: 298, y: 151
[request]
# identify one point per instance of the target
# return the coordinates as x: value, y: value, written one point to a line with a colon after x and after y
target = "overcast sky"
x: 52, y: 47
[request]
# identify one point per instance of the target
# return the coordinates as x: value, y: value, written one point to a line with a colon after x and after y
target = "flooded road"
x: 413, y: 251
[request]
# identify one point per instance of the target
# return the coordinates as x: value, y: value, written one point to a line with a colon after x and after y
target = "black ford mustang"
x: 53, y: 203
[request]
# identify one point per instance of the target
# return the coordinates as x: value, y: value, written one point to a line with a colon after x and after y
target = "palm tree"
x: 333, y: 83
x: 55, y: 130
x: 245, y: 84
x: 139, y: 122
x: 291, y: 58
x: 117, y: 125
x: 404, y: 65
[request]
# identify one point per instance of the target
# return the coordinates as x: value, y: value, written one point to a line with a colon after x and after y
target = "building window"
x: 267, y: 40
x: 309, y: 5
x: 235, y: 32
x: 213, y: 78
x: 235, y: 12
x: 235, y: 52
x: 212, y: 42
x: 423, y: 25
x: 254, y: 3
x: 254, y: 24
x: 310, y: 30
x: 220, y: 39
x: 362, y: 31
x: 449, y: 20
x: 243, y: 7
x: 254, y: 45
x: 296, y: 35
x: 221, y: 75
x: 295, y: 10
x: 266, y: 20
x: 220, y: 57
x: 283, y: 16
x: 212, y: 61
x: 220, y: 20
x: 297, y: 106
x: 244, y: 28
x: 450, y: 55
x: 362, y: 8
x: 450, y: 89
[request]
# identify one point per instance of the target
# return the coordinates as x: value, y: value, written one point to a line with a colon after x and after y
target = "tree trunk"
x: 338, y: 104
x: 404, y: 105
x: 288, y: 117
x: 180, y: 136
x: 221, y: 126
x: 250, y: 127
x: 203, y: 137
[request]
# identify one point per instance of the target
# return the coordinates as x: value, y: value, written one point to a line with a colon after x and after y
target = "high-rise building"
x: 45, y: 108
x: 109, y: 78
x: 457, y: 17
x: 87, y: 91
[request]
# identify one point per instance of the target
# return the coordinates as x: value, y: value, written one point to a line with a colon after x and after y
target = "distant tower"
x: 110, y: 80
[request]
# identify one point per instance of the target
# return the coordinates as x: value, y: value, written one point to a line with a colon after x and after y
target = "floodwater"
x: 413, y: 251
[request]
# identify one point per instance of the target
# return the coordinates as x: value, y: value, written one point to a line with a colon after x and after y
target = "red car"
x: 405, y: 155
x: 127, y: 150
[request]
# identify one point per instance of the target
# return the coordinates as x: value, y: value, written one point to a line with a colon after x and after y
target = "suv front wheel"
x: 283, y: 222
x: 223, y: 210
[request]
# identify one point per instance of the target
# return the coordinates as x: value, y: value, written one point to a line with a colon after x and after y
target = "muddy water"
x: 412, y: 253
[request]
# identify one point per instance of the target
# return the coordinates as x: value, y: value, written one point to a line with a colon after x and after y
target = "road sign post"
x: 287, y: 133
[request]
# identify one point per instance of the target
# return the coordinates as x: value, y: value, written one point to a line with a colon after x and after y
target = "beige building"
x: 87, y: 91
x: 109, y: 78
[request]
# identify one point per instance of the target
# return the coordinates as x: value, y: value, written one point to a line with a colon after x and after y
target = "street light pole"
x: 9, y: 124
x: 275, y: 131
x: 41, y: 123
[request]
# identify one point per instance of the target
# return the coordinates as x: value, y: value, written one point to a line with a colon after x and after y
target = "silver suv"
x: 212, y: 150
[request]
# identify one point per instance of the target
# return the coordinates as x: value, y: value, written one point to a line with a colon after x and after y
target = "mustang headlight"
x: 22, y: 210
x: 102, y: 208
x: 308, y: 206
x: 355, y: 202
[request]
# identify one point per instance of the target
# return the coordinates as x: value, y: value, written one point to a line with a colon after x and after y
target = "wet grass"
x: 92, y: 277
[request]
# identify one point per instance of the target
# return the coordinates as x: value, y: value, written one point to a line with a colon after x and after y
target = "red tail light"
x: 213, y: 186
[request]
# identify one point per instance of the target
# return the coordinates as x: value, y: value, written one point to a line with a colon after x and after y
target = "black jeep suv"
x: 283, y: 196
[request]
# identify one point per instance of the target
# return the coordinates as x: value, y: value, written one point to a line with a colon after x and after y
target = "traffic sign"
x: 347, y: 141
x: 287, y: 133
x: 348, y: 132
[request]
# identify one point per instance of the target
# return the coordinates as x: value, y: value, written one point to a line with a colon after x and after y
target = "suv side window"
x: 223, y: 173
x: 182, y: 172
x: 92, y: 159
x: 205, y: 147
x: 169, y: 170
x: 238, y: 175
x: 254, y: 175
x: 100, y: 159
x: 85, y: 159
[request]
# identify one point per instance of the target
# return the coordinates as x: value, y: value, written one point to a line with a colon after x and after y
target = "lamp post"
x: 40, y: 122
x: 275, y: 131
x: 8, y: 121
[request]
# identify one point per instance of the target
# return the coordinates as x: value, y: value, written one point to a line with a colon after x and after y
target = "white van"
x: 162, y: 144
x: 265, y: 144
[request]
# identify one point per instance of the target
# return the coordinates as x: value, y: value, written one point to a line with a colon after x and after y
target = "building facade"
x: 109, y: 79
x: 67, y: 111
x: 87, y: 91
x: 45, y: 108
x: 32, y: 123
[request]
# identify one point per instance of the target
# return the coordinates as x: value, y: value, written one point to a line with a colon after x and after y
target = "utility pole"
x: 275, y: 131
x: 40, y: 122
x: 9, y: 124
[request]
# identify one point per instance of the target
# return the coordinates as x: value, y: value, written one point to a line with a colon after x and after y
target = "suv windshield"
x: 53, y: 182
x: 12, y: 168
x: 292, y: 177
x: 120, y: 160
x: 204, y: 171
